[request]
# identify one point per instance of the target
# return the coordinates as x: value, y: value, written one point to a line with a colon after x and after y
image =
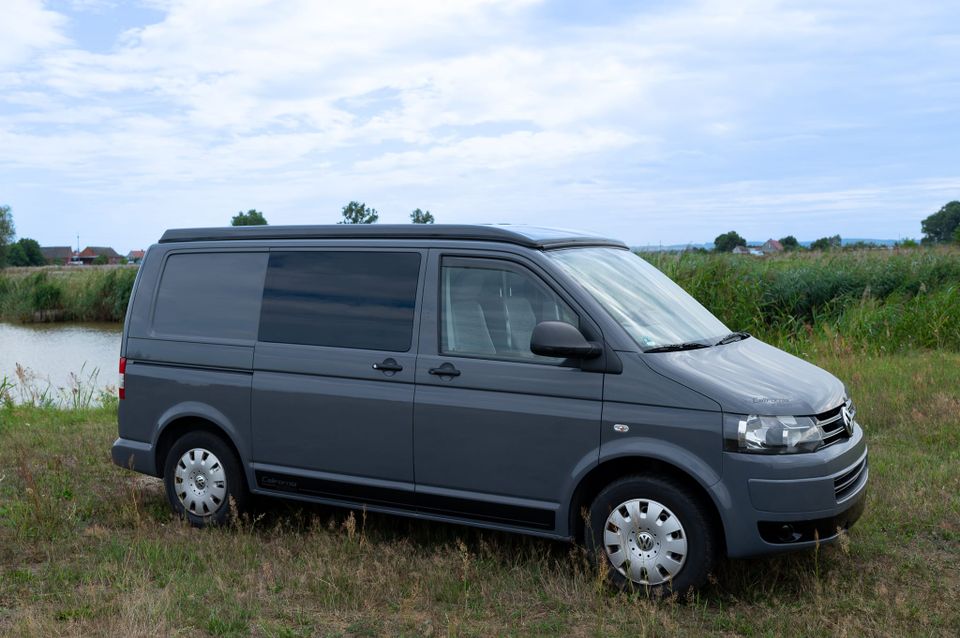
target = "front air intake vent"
x: 847, y: 483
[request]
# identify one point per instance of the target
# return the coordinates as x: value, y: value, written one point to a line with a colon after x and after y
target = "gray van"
x: 507, y: 377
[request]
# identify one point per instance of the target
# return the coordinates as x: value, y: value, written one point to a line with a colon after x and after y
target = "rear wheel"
x: 202, y: 476
x: 653, y: 533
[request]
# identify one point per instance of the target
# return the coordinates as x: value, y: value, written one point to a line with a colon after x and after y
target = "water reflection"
x: 54, y: 356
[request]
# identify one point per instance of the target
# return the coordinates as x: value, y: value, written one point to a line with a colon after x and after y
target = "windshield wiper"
x: 733, y: 336
x: 675, y: 347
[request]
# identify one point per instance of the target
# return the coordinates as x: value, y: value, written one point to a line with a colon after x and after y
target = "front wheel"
x: 202, y: 476
x: 653, y: 533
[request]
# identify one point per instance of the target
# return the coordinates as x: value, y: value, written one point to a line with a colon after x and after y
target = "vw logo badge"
x: 847, y: 422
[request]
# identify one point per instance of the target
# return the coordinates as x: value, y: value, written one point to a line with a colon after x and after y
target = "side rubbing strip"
x: 429, y: 503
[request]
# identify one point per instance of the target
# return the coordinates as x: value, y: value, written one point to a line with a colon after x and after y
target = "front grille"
x: 846, y: 483
x: 832, y: 426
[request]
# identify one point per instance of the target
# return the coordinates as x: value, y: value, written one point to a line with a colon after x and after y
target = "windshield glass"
x: 655, y: 311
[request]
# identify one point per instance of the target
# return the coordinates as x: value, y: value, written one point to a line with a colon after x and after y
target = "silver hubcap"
x: 201, y: 482
x: 645, y: 541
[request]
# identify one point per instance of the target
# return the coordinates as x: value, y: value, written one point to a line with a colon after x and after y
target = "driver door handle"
x: 446, y: 370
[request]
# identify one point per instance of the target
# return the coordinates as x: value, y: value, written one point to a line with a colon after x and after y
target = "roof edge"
x: 460, y: 232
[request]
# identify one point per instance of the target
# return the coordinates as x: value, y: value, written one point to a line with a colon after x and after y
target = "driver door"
x: 498, y: 431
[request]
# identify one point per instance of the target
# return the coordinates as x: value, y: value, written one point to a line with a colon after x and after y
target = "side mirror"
x: 559, y: 339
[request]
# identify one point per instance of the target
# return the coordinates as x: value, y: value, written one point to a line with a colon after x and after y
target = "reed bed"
x: 876, y: 300
x: 50, y: 294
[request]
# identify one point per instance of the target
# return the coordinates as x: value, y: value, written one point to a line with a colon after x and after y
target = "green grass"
x: 87, y: 548
x: 72, y: 294
x: 879, y: 300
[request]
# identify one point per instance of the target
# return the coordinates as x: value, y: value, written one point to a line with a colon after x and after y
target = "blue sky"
x: 654, y: 122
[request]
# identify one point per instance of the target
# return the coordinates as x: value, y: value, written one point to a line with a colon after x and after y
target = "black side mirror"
x: 559, y: 339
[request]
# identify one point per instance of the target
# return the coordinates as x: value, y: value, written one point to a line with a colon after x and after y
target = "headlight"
x: 772, y: 434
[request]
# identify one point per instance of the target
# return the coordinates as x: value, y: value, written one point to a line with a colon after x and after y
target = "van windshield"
x: 654, y: 310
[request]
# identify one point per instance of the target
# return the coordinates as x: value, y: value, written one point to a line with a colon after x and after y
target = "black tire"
x: 688, y: 509
x: 219, y: 510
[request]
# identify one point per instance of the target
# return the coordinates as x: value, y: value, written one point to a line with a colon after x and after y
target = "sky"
x: 662, y: 122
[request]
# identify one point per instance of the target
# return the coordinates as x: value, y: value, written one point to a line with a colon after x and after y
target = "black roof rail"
x: 529, y: 236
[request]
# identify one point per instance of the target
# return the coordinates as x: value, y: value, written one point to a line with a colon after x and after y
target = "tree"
x: 358, y: 213
x: 16, y: 255
x: 826, y: 243
x: 32, y: 251
x: 7, y: 233
x: 421, y: 217
x: 906, y: 243
x: 728, y: 241
x: 956, y: 235
x: 101, y: 260
x: 940, y: 227
x: 789, y: 242
x: 25, y: 252
x: 250, y: 218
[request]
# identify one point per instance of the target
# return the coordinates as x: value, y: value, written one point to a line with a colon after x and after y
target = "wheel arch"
x: 608, y: 471
x: 177, y: 425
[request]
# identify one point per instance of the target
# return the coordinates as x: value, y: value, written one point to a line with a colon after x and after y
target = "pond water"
x: 51, y: 352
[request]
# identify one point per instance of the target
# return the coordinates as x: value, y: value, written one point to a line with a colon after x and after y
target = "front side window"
x: 489, y: 309
x: 341, y: 299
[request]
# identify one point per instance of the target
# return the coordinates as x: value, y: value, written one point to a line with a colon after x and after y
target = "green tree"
x: 421, y: 217
x: 16, y: 255
x: 250, y: 218
x: 32, y: 251
x: 907, y: 243
x: 728, y: 241
x: 101, y: 260
x: 789, y: 242
x: 940, y: 227
x: 956, y: 235
x: 7, y: 233
x: 359, y: 213
x: 826, y: 243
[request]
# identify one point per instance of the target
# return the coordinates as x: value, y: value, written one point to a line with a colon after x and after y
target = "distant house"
x: 57, y: 255
x: 135, y: 256
x: 748, y: 250
x: 771, y: 246
x: 89, y: 254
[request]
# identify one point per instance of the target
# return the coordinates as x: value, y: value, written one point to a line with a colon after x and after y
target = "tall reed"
x: 882, y: 300
x: 66, y: 295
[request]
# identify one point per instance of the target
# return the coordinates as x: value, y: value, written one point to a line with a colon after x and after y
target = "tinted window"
x: 214, y: 295
x: 491, y: 310
x: 343, y: 299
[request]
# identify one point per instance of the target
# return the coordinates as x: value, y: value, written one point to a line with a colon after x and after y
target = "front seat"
x: 468, y: 325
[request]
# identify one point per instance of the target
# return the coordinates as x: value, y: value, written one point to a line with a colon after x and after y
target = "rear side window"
x: 210, y: 295
x: 341, y: 299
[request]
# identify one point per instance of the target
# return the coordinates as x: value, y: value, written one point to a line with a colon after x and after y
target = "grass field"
x: 89, y: 549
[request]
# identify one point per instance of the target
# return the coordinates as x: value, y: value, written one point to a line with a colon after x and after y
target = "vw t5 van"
x: 512, y: 378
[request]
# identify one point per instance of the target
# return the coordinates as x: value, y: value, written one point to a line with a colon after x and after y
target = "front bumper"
x: 787, y: 502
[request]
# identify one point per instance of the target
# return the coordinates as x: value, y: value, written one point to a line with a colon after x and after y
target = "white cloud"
x: 472, y: 106
x: 27, y: 27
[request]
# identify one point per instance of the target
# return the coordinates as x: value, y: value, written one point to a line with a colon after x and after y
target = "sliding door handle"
x: 446, y: 370
x: 388, y: 365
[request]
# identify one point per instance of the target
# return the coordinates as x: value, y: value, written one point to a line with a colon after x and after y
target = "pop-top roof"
x: 529, y: 236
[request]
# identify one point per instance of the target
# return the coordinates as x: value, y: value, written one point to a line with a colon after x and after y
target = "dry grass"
x: 89, y: 549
